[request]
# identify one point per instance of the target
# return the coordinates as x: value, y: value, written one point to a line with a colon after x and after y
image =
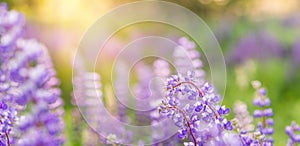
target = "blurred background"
x: 260, y: 40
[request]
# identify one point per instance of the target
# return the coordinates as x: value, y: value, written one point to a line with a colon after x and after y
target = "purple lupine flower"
x: 86, y: 89
x: 265, y: 127
x: 143, y: 93
x: 201, y: 119
x: 291, y: 132
x: 11, y: 25
x: 8, y: 117
x: 88, y: 97
x: 244, y: 120
x: 10, y: 31
x: 193, y: 105
x: 260, y: 46
x: 264, y: 131
x: 40, y: 89
x: 186, y: 57
x: 161, y: 128
x: 28, y: 78
x: 161, y: 68
x: 121, y: 90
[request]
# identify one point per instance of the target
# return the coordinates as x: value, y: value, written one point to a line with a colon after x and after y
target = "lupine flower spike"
x: 28, y: 85
x: 202, y: 121
x: 265, y: 113
x: 291, y: 132
x: 244, y: 119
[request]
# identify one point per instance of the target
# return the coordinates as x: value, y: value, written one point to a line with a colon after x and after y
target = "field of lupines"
x: 173, y: 99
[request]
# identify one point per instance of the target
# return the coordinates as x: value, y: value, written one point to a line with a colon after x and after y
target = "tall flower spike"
x: 186, y: 57
x: 142, y: 92
x: 291, y: 130
x: 161, y: 128
x: 11, y: 26
x: 8, y: 118
x: 88, y: 97
x: 10, y: 31
x: 44, y: 123
x: 244, y: 120
x: 28, y: 78
x: 201, y: 120
x: 85, y: 92
x: 121, y: 90
x: 193, y: 105
x: 264, y: 112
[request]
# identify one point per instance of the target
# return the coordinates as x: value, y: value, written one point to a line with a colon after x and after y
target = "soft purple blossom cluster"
x: 121, y: 91
x: 265, y: 113
x: 257, y: 45
x: 193, y: 106
x: 160, y: 127
x: 186, y: 99
x: 31, y: 108
x: 142, y: 92
x: 202, y: 121
x: 8, y: 116
x: 30, y: 97
x: 291, y: 132
x: 243, y: 117
x: 88, y: 96
x: 186, y: 57
x: 243, y: 124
